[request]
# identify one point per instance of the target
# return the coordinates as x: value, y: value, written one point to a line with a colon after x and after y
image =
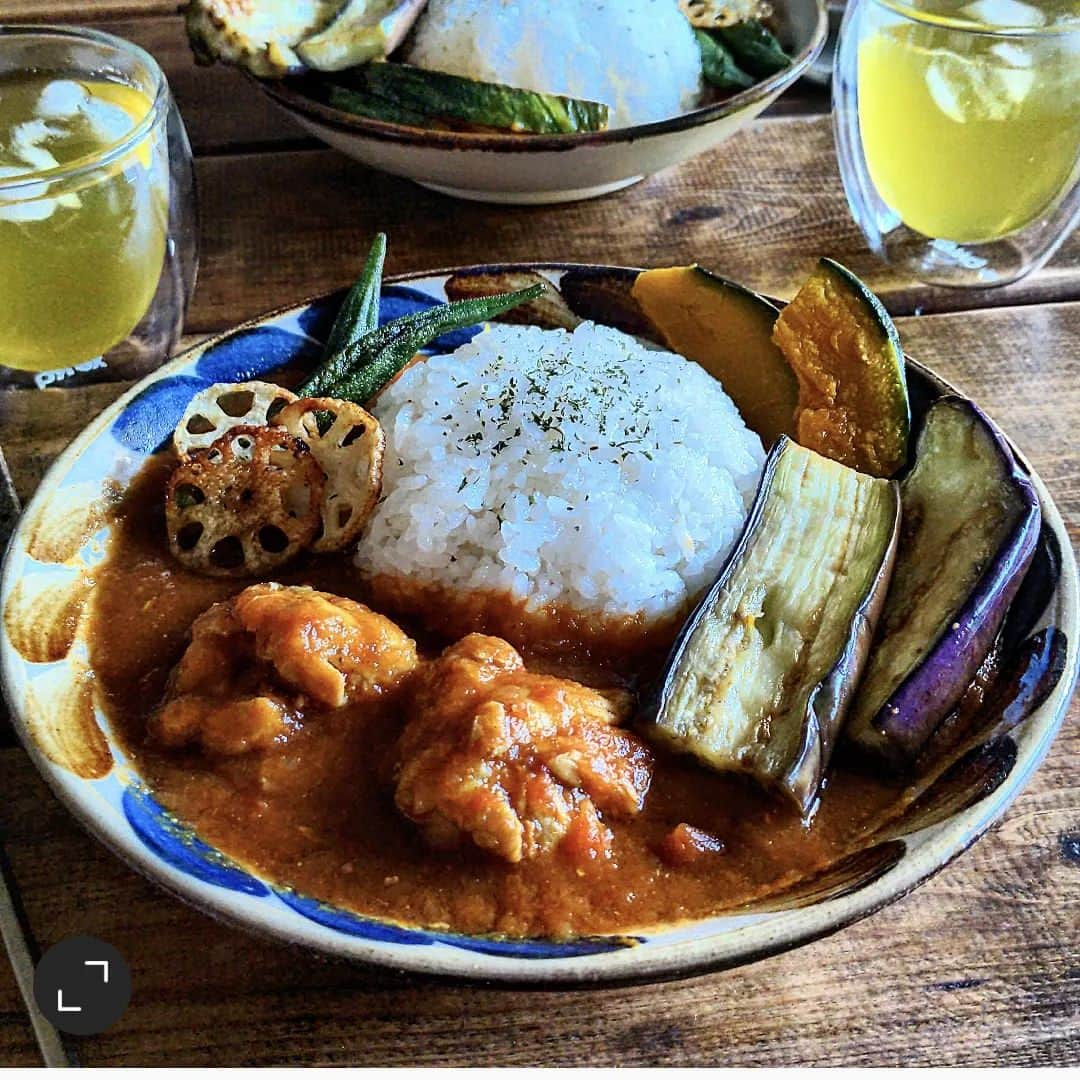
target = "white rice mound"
x: 581, y: 469
x: 639, y: 57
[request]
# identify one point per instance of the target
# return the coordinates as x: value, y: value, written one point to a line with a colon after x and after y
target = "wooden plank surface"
x: 17, y: 1043
x: 978, y: 966
x: 83, y: 11
x: 760, y: 208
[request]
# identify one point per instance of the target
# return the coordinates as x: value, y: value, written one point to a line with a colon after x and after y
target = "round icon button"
x: 82, y: 985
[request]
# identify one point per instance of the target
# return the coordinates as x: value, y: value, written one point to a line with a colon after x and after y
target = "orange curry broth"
x: 317, y: 812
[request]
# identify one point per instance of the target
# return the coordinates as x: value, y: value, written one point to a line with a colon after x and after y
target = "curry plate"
x: 48, y: 582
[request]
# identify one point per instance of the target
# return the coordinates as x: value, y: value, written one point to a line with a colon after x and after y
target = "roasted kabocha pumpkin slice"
x: 845, y: 352
x: 728, y: 331
x: 761, y: 676
x: 348, y: 444
x: 245, y: 505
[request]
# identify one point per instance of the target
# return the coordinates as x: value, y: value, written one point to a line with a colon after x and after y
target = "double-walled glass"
x: 97, y: 246
x: 958, y: 133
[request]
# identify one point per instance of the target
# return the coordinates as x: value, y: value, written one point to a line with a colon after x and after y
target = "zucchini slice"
x: 761, y: 676
x: 728, y: 331
x: 452, y: 98
x: 371, y: 106
x: 844, y: 349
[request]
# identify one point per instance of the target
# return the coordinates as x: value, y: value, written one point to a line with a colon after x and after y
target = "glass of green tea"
x: 97, y: 209
x: 958, y: 132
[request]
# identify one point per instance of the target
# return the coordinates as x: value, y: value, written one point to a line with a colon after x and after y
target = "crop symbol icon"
x: 82, y: 985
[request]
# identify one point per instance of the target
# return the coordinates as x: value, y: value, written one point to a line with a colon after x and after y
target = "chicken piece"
x: 333, y: 650
x: 520, y: 762
x: 255, y: 662
x: 223, y: 729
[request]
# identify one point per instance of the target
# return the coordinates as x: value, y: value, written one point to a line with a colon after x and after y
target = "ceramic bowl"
x: 47, y: 584
x: 560, y: 168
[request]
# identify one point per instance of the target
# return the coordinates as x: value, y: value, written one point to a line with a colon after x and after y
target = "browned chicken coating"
x: 519, y: 762
x: 271, y: 652
x: 330, y: 649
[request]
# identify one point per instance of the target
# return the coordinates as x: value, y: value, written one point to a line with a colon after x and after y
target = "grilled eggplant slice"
x: 761, y: 676
x: 971, y: 526
x: 363, y: 30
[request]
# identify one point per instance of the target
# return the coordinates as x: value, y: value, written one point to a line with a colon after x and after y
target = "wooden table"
x: 979, y: 966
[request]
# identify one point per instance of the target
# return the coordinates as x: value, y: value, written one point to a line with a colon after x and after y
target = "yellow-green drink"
x: 970, y: 136
x: 83, y: 217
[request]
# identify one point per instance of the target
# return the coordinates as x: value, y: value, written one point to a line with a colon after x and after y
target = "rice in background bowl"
x: 583, y: 476
x: 637, y: 56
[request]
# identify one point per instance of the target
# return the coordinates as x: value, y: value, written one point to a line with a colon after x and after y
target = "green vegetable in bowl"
x: 754, y: 47
x: 370, y: 106
x: 469, y: 102
x: 718, y: 65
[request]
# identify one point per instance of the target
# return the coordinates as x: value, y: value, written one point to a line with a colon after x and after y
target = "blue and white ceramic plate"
x: 48, y: 581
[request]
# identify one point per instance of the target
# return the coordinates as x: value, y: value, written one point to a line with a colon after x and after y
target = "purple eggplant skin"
x: 1035, y: 593
x: 1024, y: 678
x: 894, y: 732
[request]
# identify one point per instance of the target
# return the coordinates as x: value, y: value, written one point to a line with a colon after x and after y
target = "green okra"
x: 372, y: 362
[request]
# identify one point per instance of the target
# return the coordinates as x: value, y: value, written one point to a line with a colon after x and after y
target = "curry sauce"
x: 316, y: 811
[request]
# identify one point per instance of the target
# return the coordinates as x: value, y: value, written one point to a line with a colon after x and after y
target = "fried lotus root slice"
x: 246, y: 505
x: 213, y: 411
x: 350, y: 452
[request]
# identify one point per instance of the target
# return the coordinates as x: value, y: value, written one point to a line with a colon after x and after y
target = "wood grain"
x: 17, y: 1043
x: 760, y: 208
x: 977, y: 967
x: 82, y: 11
